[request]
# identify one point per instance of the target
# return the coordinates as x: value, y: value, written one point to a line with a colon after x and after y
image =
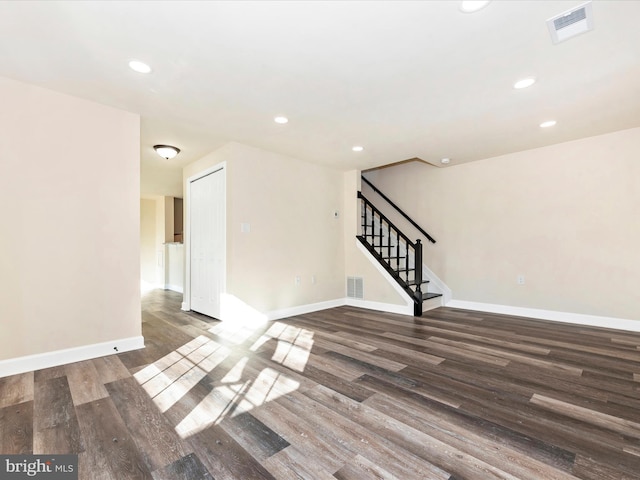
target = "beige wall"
x: 290, y: 207
x: 564, y: 216
x: 148, y: 256
x: 159, y: 179
x: 70, y: 193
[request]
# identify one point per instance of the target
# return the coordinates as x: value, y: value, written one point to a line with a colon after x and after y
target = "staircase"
x: 399, y: 256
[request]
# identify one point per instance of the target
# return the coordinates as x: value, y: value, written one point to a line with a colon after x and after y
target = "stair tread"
x: 411, y: 283
x: 429, y: 295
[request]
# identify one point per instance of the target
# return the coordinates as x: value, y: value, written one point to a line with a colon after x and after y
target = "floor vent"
x: 355, y: 287
x: 571, y: 23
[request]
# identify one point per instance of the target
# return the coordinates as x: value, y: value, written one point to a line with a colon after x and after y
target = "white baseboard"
x: 382, y: 307
x: 552, y: 315
x: 174, y: 288
x: 339, y: 302
x: 352, y: 302
x: 28, y: 363
x: 302, y: 309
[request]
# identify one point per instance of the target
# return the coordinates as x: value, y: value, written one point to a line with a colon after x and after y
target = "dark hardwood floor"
x: 343, y: 394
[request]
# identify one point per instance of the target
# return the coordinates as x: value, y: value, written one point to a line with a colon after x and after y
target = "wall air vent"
x: 571, y: 23
x: 355, y: 287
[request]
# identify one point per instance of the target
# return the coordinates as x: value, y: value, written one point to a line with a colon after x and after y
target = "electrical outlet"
x: 297, y: 280
x: 313, y: 279
x: 520, y: 280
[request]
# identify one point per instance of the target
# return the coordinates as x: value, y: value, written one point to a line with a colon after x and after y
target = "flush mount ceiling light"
x: 470, y: 6
x: 281, y: 120
x: 166, y: 151
x: 548, y: 123
x: 524, y: 83
x: 140, y: 67
x: 357, y: 148
x: 444, y: 161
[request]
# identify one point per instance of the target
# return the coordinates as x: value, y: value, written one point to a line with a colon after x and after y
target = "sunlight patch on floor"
x: 234, y: 333
x: 231, y: 400
x: 170, y: 378
x: 235, y: 374
x: 246, y: 385
x: 293, y: 345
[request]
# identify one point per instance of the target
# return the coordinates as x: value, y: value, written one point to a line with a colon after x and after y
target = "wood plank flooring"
x: 342, y: 394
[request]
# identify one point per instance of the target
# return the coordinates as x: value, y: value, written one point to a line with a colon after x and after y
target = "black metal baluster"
x: 417, y: 276
x: 398, y: 266
x: 379, y: 234
x: 363, y: 217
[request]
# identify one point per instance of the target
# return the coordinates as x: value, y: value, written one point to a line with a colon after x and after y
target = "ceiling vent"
x: 571, y: 23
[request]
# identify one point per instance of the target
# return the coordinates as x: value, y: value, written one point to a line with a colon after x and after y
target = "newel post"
x: 418, y: 269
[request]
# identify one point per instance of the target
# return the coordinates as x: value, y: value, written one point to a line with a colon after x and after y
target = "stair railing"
x: 376, y: 227
x: 399, y: 210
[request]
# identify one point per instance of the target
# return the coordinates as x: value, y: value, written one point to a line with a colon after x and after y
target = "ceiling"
x: 403, y: 79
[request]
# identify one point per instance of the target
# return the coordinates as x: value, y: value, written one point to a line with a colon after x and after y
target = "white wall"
x: 70, y: 195
x: 564, y: 216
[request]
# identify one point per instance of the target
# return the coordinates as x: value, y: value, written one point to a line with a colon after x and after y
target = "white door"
x: 207, y: 242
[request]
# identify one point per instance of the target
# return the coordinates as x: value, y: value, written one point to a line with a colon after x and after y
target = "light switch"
x: 245, y: 227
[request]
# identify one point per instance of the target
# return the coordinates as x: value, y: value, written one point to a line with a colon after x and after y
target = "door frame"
x: 186, y: 298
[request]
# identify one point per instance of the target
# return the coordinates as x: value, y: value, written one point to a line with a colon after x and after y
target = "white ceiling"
x: 403, y: 79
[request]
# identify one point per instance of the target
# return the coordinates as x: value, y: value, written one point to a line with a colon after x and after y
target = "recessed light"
x: 281, y: 120
x: 357, y: 148
x: 548, y: 123
x: 524, y: 83
x: 470, y: 6
x: 445, y: 160
x: 140, y: 67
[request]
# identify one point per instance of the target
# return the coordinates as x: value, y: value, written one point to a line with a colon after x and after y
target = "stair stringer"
x: 406, y: 309
x: 435, y: 285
